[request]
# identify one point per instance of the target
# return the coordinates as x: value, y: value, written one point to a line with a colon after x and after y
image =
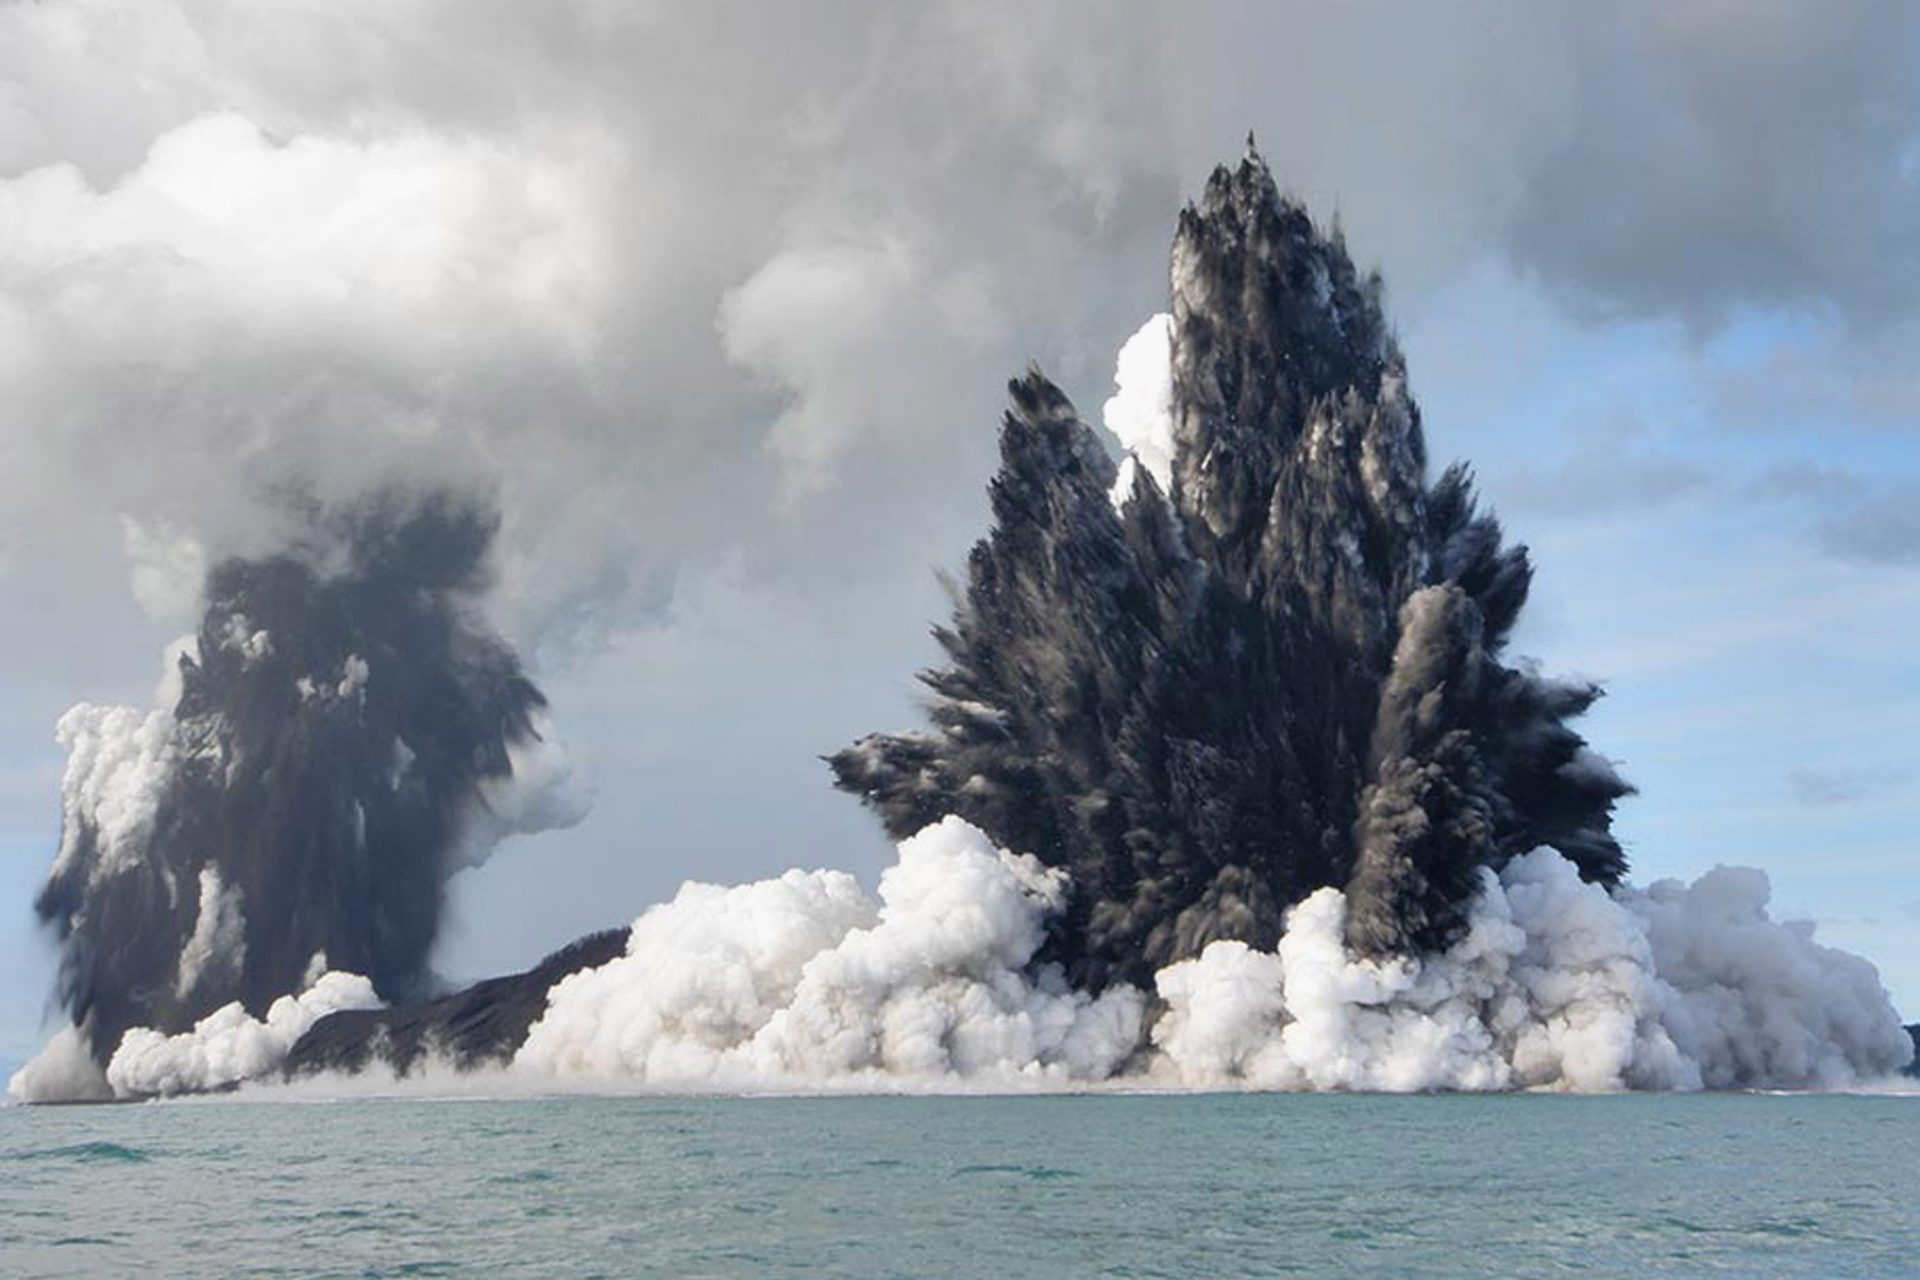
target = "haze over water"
x: 1138, y: 1186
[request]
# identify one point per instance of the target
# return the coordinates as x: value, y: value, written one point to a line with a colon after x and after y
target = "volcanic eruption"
x: 1230, y: 782
x: 1264, y: 656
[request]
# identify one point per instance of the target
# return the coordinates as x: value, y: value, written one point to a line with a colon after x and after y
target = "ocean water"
x: 1101, y: 1185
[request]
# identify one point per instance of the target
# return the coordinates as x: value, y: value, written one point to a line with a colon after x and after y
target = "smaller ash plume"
x: 1264, y: 656
x: 343, y: 734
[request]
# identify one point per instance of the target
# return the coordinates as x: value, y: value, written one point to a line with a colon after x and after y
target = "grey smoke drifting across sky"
x: 716, y: 304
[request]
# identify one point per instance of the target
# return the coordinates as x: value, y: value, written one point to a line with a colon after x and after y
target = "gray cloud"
x: 1805, y: 482
x: 641, y: 314
x: 1824, y: 787
x: 647, y: 269
x: 1609, y: 470
x: 1731, y: 153
x: 1883, y: 531
x: 1828, y: 376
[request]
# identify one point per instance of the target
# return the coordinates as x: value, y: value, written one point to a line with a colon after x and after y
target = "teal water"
x: 1125, y: 1186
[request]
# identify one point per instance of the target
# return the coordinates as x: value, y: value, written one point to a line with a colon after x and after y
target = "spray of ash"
x: 1264, y: 660
x: 342, y: 734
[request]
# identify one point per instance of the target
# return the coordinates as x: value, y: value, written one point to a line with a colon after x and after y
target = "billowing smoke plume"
x: 1267, y: 663
x: 342, y: 734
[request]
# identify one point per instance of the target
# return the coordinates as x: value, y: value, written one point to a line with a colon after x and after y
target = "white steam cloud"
x: 63, y: 1071
x: 219, y: 935
x: 807, y: 982
x: 1140, y: 412
x: 223, y: 1048
x: 804, y: 981
x: 229, y: 1045
x: 1556, y: 985
x: 544, y: 789
x: 119, y: 760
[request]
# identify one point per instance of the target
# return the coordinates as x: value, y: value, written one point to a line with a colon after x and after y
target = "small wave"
x: 1035, y: 1173
x: 87, y: 1151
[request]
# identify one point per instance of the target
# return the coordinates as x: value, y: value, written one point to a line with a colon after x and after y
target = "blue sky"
x: 1762, y: 681
x: 726, y: 335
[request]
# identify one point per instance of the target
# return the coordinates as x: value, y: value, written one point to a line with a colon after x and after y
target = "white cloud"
x: 336, y: 243
x: 1140, y: 413
x: 817, y: 323
x: 239, y: 314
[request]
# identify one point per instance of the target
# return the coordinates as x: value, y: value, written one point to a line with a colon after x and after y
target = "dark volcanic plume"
x: 345, y: 728
x: 1284, y: 673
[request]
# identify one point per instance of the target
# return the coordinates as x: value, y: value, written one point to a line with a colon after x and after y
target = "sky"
x: 717, y: 302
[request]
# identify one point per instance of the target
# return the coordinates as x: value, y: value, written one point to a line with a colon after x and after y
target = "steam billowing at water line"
x: 1230, y: 783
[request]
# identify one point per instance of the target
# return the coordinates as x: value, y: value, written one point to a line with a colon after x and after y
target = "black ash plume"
x: 324, y: 769
x: 1285, y: 673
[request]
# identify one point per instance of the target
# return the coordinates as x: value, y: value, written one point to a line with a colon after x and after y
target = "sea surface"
x: 1002, y: 1187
